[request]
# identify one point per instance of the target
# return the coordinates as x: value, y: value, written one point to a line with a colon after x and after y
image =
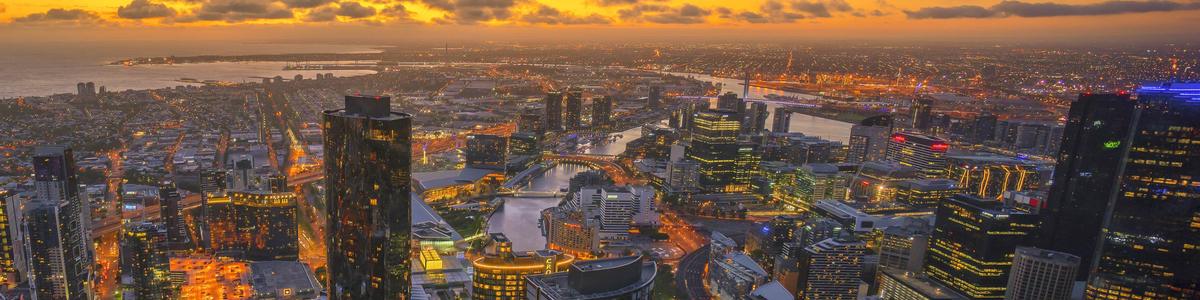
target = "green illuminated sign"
x: 1112, y: 144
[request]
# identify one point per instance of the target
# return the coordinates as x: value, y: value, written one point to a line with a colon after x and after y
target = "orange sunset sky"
x: 1109, y: 22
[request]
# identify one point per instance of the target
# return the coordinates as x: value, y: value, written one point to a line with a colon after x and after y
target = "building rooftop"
x: 284, y: 280
x: 771, y: 291
x: 587, y: 279
x: 439, y: 179
x: 921, y: 284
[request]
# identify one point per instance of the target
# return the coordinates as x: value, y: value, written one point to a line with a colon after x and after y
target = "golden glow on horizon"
x: 577, y: 13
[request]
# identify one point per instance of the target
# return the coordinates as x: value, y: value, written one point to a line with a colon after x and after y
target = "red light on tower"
x: 898, y: 138
x: 939, y: 147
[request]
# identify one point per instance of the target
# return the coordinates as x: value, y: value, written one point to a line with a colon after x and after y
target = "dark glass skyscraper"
x: 368, y: 184
x: 602, y: 112
x: 486, y: 151
x: 172, y: 217
x: 1089, y: 164
x: 1150, y: 245
x: 554, y: 111
x: 782, y: 119
x: 755, y: 118
x: 59, y: 243
x: 972, y: 246
x: 921, y: 113
x: 574, y: 112
x: 655, y: 98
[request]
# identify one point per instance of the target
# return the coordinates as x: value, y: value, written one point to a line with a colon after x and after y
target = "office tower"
x: 984, y: 128
x: 629, y: 277
x: 554, y: 112
x: 1039, y: 274
x: 925, y: 153
x: 1088, y: 169
x: 145, y: 269
x: 900, y: 285
x: 59, y: 243
x: 755, y: 118
x: 973, y: 243
x: 1149, y: 244
x: 486, y: 151
x: 903, y: 246
x: 869, y: 139
x: 925, y: 193
x: 532, y: 121
x: 654, y: 100
x: 500, y: 272
x: 254, y: 225
x: 921, y: 113
x: 832, y: 269
x: 617, y: 208
x: 989, y: 175
x: 368, y: 189
x: 213, y: 183
x: 12, y: 247
x: 602, y: 112
x: 715, y: 147
x: 171, y: 214
x: 730, y: 102
x: 524, y: 143
x: 782, y: 119
x: 573, y: 116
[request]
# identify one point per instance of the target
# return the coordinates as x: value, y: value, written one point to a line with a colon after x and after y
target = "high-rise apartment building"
x: 755, y: 118
x: 869, y: 140
x: 832, y: 269
x: 368, y: 179
x: 921, y: 113
x: 654, y: 100
x: 554, y: 111
x: 178, y: 238
x: 573, y: 116
x: 500, y: 272
x: 602, y: 112
x: 60, y: 249
x: 145, y: 269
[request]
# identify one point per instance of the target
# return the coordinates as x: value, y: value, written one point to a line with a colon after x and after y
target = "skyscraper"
x: 869, y: 139
x: 554, y: 111
x: 531, y: 121
x: 755, y: 118
x: 715, y: 147
x: 60, y: 247
x: 368, y: 193
x: 1089, y: 166
x: 1149, y: 245
x: 145, y: 269
x: 832, y: 269
x: 925, y: 153
x: 921, y: 113
x: 731, y: 102
x: 12, y: 247
x: 973, y: 243
x: 177, y: 237
x: 984, y: 128
x: 574, y: 113
x: 782, y: 119
x: 1039, y: 274
x: 500, y: 272
x: 602, y: 112
x: 654, y: 100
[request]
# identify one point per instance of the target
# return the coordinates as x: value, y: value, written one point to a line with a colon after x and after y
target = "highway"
x: 689, y: 276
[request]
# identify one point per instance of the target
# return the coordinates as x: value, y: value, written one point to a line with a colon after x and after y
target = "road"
x: 689, y: 275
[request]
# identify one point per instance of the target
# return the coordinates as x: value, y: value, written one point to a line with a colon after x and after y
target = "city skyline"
x: 975, y: 21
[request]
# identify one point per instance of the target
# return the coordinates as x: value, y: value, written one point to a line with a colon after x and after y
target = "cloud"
x: 821, y: 9
x: 234, y: 11
x: 1047, y: 9
x: 473, y: 11
x: 354, y: 10
x: 306, y: 3
x: 3, y: 8
x: 144, y: 9
x: 60, y: 16
x: 548, y: 15
x: 661, y: 14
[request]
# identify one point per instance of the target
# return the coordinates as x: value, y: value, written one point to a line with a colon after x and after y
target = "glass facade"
x: 715, y: 147
x: 1151, y: 243
x: 368, y: 193
x: 972, y: 246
